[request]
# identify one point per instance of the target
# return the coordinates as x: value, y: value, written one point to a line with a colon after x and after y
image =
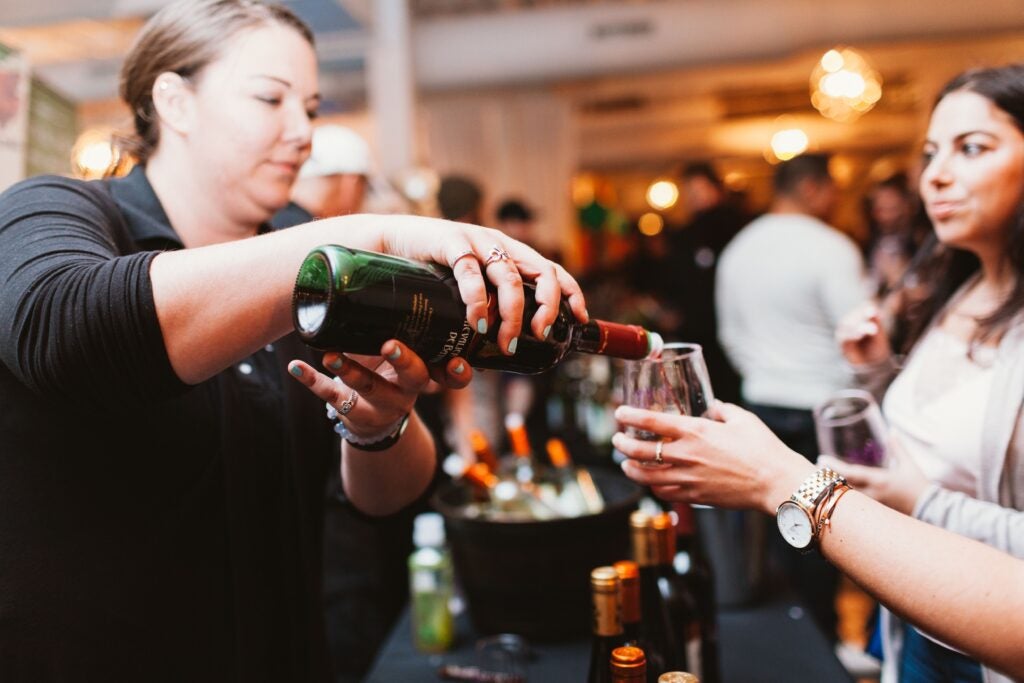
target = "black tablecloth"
x: 772, y: 643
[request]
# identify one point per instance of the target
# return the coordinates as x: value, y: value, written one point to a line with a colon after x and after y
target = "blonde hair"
x: 183, y: 38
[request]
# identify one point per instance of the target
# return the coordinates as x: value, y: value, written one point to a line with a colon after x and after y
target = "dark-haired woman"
x: 955, y: 408
x: 162, y: 477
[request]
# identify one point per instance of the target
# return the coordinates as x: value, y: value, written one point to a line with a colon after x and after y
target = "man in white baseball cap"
x: 333, y: 180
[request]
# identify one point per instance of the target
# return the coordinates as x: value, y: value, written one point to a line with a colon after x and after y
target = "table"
x: 775, y: 642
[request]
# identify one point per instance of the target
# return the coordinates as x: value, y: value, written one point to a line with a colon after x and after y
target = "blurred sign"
x: 14, y: 90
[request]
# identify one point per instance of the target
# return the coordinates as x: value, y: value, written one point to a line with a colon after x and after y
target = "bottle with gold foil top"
x: 655, y: 627
x: 352, y: 300
x: 628, y: 665
x: 680, y: 603
x: 677, y: 677
x: 607, y: 623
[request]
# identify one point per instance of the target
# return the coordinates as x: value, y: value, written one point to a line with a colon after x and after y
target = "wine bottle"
x: 524, y: 466
x: 607, y: 624
x: 353, y: 301
x: 655, y: 628
x: 680, y: 604
x: 691, y: 564
x: 628, y: 665
x: 571, y: 497
x: 632, y: 616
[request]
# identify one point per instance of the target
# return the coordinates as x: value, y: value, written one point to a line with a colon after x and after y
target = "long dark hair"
x: 944, y: 269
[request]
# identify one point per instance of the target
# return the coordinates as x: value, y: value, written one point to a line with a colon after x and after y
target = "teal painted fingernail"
x: 335, y: 364
x: 513, y: 344
x: 481, y: 326
x: 459, y: 369
x: 546, y: 332
x: 396, y: 354
x: 295, y: 370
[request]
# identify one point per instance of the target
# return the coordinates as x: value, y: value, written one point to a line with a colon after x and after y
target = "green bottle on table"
x: 431, y: 582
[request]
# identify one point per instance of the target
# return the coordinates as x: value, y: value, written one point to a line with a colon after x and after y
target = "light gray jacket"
x: 994, y: 515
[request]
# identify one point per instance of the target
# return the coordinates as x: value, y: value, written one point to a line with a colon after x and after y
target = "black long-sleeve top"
x: 149, y: 530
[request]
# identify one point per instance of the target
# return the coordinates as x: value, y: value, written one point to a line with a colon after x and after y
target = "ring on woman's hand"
x: 349, y: 403
x: 461, y: 255
x: 496, y: 254
x: 657, y: 453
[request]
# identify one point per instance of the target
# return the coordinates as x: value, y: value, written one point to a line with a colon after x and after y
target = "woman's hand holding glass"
x: 731, y: 460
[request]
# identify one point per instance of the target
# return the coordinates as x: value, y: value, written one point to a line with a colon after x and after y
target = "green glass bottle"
x: 353, y: 301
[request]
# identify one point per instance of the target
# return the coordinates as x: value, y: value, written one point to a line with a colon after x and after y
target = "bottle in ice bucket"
x: 628, y: 665
x: 608, y: 634
x: 351, y: 300
x: 430, y: 578
x: 507, y: 499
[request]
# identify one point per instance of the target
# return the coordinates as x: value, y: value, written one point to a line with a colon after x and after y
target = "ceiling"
x: 76, y: 46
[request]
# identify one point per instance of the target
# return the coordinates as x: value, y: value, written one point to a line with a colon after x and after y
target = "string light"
x: 662, y: 194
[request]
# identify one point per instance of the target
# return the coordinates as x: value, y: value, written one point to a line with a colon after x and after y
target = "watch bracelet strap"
x: 810, y: 492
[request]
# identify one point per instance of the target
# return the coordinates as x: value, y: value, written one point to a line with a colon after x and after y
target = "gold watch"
x: 802, y: 517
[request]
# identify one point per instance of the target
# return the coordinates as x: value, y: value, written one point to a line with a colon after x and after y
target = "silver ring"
x: 461, y: 255
x: 496, y: 254
x: 349, y: 403
x: 657, y: 453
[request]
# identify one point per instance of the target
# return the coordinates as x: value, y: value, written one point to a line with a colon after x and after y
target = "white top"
x: 783, y: 283
x: 936, y: 408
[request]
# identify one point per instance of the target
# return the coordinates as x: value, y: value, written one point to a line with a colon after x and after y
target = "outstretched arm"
x: 958, y: 590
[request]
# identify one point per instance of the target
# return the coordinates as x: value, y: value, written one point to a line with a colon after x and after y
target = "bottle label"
x: 607, y: 614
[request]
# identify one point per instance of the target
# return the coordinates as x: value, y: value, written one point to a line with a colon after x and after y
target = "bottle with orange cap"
x: 572, y: 498
x: 524, y: 467
x: 482, y: 449
x: 628, y: 665
x: 632, y: 617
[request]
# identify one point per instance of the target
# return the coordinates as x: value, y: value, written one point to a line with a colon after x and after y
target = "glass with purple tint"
x: 850, y: 426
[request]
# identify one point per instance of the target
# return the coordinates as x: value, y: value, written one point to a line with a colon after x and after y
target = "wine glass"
x: 676, y: 382
x: 850, y: 426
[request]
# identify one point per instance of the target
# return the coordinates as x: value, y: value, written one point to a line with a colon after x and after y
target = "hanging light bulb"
x: 844, y: 85
x: 788, y: 143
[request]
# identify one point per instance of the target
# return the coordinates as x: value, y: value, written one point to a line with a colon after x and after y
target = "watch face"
x: 794, y: 524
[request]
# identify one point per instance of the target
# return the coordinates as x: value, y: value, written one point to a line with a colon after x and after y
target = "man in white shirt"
x: 782, y: 285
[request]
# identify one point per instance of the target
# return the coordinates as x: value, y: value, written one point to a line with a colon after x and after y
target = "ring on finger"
x: 461, y: 255
x: 348, y: 404
x: 496, y: 254
x: 657, y: 453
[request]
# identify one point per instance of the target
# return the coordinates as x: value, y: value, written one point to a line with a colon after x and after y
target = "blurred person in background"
x: 332, y: 182
x: 783, y: 284
x: 955, y: 406
x: 695, y: 252
x: 171, y: 527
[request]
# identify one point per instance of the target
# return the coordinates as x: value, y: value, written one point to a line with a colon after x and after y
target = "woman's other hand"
x: 898, y: 485
x: 732, y: 460
x: 475, y: 252
x: 862, y: 337
x: 380, y: 389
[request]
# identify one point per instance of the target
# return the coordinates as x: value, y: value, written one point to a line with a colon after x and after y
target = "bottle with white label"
x: 430, y: 577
